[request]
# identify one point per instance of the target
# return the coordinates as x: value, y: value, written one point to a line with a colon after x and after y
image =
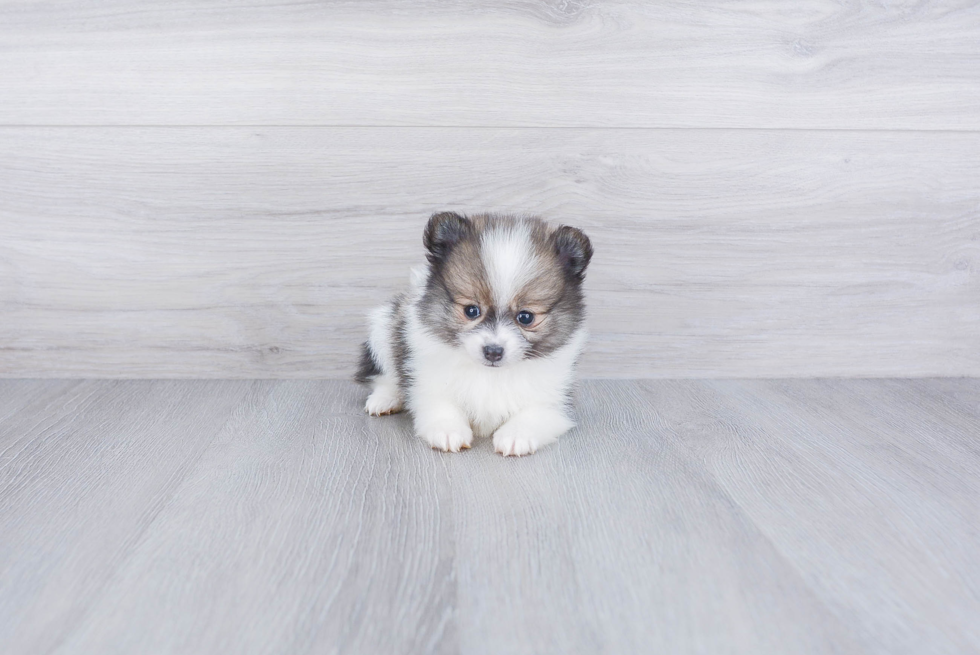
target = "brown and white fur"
x: 505, y: 368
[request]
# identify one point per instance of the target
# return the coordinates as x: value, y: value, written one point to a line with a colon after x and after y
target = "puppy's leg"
x: 385, y: 398
x: 378, y: 363
x: 531, y: 429
x: 442, y: 425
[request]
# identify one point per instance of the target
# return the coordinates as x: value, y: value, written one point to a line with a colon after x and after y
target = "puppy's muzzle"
x: 493, y: 354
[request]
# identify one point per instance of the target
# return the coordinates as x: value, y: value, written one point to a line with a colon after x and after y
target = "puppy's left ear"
x: 443, y: 231
x: 574, y: 250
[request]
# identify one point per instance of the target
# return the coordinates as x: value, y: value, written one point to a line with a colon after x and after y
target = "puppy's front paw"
x: 512, y: 440
x: 448, y: 438
x: 383, y: 401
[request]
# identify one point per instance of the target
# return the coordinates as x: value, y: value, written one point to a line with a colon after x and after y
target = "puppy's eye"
x: 525, y: 317
x: 471, y: 311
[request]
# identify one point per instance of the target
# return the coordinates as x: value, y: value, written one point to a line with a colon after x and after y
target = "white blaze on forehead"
x: 510, y: 261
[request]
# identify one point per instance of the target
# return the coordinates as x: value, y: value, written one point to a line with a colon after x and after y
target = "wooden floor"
x: 681, y: 516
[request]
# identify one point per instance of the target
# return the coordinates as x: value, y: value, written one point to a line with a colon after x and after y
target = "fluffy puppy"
x: 485, y: 341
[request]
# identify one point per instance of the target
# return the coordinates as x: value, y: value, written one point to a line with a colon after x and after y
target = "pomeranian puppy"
x: 486, y: 340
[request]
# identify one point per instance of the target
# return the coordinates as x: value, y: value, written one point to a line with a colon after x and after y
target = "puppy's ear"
x: 444, y: 231
x: 574, y: 250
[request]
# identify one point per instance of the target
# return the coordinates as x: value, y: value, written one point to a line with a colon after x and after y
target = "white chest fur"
x: 488, y: 396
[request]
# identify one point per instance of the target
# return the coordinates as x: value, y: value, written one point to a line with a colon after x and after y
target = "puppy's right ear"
x: 574, y: 250
x: 444, y: 231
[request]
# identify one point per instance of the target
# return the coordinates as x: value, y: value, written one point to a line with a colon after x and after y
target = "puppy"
x: 486, y: 340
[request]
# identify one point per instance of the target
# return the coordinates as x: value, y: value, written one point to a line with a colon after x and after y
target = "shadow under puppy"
x: 485, y: 341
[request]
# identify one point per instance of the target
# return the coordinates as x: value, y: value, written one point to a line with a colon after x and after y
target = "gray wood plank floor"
x: 806, y: 516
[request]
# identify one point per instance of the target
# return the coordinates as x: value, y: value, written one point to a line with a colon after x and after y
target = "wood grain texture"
x: 812, y: 516
x: 234, y: 252
x: 634, y: 535
x: 821, y: 467
x: 812, y: 63
x: 307, y: 526
x: 85, y: 467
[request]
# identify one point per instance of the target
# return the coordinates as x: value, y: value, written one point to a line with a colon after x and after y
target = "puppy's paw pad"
x: 382, y: 402
x: 510, y: 444
x: 450, y: 441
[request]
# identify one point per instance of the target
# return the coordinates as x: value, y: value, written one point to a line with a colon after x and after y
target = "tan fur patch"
x: 543, y: 288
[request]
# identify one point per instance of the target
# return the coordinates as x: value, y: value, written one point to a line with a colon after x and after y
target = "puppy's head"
x: 503, y: 288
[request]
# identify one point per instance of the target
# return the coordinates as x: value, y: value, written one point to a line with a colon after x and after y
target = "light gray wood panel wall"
x: 244, y: 252
x: 841, y: 239
x: 811, y: 63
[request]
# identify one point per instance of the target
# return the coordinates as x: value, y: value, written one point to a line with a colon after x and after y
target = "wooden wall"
x: 774, y: 189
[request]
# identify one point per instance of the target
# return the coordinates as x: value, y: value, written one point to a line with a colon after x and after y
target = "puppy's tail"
x: 366, y: 367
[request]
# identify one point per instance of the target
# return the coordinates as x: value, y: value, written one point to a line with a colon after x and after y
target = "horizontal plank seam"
x: 342, y: 378
x: 480, y: 127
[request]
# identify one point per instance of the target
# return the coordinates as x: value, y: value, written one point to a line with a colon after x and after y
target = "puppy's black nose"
x: 493, y: 353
